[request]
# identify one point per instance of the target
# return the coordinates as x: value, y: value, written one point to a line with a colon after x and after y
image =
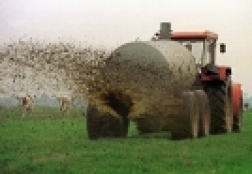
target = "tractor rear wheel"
x: 238, y: 117
x: 204, y: 112
x: 101, y: 124
x: 186, y: 124
x: 220, y: 98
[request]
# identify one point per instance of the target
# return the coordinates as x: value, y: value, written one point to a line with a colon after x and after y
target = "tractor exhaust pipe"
x: 165, y: 30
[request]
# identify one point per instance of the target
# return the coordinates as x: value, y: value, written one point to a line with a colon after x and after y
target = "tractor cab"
x: 202, y: 45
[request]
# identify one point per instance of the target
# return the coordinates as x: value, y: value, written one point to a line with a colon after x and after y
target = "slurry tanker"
x: 170, y: 83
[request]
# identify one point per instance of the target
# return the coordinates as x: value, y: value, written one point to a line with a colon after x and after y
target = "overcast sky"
x: 114, y: 22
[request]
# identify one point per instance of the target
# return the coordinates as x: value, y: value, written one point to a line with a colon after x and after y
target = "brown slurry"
x: 38, y: 66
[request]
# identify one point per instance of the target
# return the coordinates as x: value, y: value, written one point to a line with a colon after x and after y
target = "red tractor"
x: 171, y: 83
x: 224, y: 95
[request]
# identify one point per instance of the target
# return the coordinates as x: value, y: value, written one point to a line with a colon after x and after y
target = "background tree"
x: 246, y: 106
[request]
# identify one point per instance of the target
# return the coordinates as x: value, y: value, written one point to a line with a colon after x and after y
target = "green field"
x: 46, y: 142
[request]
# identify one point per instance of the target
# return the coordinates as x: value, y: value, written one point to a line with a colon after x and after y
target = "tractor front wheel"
x: 238, y: 117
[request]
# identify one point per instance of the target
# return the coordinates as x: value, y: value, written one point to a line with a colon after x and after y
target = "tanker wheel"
x: 186, y: 124
x: 237, y: 124
x: 146, y: 125
x: 104, y: 124
x: 220, y: 98
x: 204, y: 112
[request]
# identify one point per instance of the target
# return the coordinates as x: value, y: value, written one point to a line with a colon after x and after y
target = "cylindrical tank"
x: 146, y: 77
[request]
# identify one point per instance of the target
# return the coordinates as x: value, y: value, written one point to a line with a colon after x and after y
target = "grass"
x: 57, y: 144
